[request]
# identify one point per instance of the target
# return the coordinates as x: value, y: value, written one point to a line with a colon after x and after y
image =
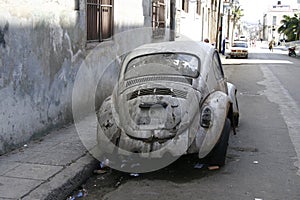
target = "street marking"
x: 289, y: 109
x: 253, y: 61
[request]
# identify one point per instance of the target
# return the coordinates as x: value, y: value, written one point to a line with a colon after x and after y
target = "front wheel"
x: 218, y: 155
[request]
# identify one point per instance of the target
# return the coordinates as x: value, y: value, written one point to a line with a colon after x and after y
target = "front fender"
x: 219, y: 104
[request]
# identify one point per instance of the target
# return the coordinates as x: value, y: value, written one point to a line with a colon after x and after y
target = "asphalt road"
x: 262, y: 158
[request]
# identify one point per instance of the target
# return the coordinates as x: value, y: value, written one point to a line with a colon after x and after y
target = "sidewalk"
x: 50, y: 168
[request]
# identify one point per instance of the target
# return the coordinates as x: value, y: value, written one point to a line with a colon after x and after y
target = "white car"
x: 171, y: 99
x: 239, y: 49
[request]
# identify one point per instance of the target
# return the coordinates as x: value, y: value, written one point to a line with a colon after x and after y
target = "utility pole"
x: 172, y: 20
x: 218, y: 26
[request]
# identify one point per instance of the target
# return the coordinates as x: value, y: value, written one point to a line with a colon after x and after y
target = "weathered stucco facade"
x: 42, y: 46
x: 45, y: 55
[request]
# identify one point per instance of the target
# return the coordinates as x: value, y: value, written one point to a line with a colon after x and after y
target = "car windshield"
x: 163, y: 63
x: 243, y: 45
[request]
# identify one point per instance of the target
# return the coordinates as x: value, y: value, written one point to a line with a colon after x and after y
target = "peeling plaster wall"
x: 191, y: 21
x: 42, y: 49
x: 41, y: 46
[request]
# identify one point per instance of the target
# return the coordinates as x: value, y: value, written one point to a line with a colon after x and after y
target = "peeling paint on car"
x: 155, y: 114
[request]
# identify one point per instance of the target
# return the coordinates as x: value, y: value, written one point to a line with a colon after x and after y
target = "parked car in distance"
x: 239, y: 49
x: 171, y: 96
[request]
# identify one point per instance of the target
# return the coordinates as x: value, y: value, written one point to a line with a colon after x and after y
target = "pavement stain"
x: 244, y: 149
x: 182, y: 171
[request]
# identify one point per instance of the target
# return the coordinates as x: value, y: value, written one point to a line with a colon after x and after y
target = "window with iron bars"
x: 185, y: 5
x: 99, y: 20
x: 158, y: 17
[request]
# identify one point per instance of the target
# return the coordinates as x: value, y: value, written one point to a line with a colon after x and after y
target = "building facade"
x: 272, y: 19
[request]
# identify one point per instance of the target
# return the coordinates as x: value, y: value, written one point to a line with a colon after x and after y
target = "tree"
x: 236, y: 16
x: 290, y: 27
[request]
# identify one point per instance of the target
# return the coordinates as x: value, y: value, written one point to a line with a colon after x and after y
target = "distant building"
x: 272, y: 19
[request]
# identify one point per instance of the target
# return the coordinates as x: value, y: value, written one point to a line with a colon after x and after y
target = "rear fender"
x: 219, y: 104
x: 108, y: 131
x: 232, y: 96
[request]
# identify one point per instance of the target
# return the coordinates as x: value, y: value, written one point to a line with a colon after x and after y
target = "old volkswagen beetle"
x: 171, y: 98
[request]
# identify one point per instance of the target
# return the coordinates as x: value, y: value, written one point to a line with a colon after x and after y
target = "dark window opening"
x: 198, y: 11
x: 185, y: 5
x: 99, y: 20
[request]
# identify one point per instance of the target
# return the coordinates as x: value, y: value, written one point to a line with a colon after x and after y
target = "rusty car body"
x: 171, y: 93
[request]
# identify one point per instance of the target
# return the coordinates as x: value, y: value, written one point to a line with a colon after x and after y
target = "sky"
x: 254, y: 9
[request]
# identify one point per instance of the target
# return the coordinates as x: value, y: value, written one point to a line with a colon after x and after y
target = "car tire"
x: 236, y: 116
x: 236, y: 120
x: 218, y: 155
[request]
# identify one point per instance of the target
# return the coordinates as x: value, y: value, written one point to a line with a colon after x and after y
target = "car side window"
x: 217, y: 67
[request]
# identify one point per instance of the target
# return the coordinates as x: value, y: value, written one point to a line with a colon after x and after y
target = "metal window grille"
x: 158, y: 18
x: 158, y: 14
x: 99, y: 20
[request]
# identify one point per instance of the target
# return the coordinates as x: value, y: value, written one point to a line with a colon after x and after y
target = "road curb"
x: 64, y: 182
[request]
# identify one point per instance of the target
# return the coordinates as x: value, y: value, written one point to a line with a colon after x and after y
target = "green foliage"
x: 237, y: 13
x: 290, y: 27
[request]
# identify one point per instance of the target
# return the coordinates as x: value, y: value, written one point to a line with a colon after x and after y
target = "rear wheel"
x: 236, y: 119
x: 236, y: 116
x: 218, y: 155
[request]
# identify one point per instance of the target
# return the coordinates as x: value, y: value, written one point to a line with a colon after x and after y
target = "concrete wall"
x: 42, y: 47
x: 191, y: 22
x: 198, y: 27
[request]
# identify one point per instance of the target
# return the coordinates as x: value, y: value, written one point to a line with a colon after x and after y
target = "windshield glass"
x: 243, y: 45
x: 163, y: 63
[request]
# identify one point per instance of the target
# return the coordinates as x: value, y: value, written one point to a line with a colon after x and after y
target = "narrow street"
x: 262, y: 158
x: 77, y: 74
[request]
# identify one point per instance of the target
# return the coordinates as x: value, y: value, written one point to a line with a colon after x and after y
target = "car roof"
x: 200, y: 49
